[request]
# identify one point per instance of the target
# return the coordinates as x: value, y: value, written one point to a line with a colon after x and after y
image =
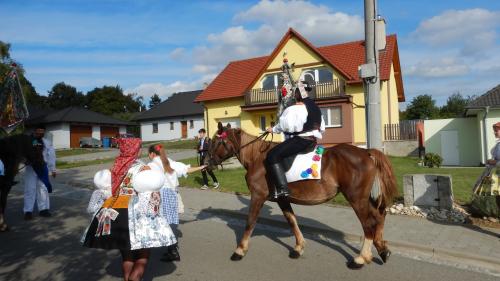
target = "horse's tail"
x: 384, y: 188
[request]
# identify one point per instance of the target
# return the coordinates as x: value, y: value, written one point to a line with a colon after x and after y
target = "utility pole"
x: 369, y: 72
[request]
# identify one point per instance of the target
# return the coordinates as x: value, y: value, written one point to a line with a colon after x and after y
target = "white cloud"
x: 445, y: 67
x: 177, y: 54
x: 470, y: 30
x: 317, y: 23
x: 166, y: 90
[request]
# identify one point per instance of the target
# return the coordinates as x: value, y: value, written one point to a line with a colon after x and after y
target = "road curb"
x: 459, y: 259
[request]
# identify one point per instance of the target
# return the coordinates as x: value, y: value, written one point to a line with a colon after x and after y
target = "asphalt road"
x: 48, y: 249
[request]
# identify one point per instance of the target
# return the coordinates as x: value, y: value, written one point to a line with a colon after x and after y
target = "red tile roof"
x: 239, y: 76
x: 348, y: 56
x: 234, y: 80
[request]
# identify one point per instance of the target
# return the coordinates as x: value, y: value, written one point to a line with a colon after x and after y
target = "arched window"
x: 318, y: 75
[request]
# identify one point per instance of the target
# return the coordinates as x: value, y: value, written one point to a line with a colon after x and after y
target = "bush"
x: 432, y: 160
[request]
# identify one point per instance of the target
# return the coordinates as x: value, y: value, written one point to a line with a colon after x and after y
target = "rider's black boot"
x: 279, y: 179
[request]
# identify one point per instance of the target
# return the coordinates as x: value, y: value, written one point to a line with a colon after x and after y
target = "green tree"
x: 110, y: 100
x: 455, y: 105
x: 422, y: 107
x: 63, y: 95
x: 154, y: 100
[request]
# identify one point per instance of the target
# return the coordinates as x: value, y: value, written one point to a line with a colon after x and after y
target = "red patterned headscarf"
x: 129, y: 148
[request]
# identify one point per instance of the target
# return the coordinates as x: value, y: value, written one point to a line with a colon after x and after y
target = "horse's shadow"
x: 267, y: 218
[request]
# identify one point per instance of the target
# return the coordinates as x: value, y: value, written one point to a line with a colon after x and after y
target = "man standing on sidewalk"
x: 202, y: 148
x: 36, y: 184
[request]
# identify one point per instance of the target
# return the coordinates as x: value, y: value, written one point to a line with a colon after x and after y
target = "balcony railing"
x: 319, y: 91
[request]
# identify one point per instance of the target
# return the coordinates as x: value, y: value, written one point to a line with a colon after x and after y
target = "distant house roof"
x: 179, y: 104
x: 239, y: 76
x: 490, y: 98
x: 71, y: 115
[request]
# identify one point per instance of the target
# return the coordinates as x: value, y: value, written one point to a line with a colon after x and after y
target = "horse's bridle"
x: 235, y: 152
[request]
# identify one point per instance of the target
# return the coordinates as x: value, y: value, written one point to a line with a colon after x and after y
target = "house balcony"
x: 320, y: 91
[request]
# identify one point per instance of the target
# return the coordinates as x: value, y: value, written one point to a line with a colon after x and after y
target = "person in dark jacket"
x: 203, y: 145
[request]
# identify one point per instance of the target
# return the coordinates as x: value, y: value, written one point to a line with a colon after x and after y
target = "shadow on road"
x: 268, y: 218
x: 50, y: 249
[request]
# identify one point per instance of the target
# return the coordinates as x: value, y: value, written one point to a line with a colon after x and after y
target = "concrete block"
x: 428, y: 191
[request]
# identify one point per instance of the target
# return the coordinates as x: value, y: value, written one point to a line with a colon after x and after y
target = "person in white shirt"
x: 302, y: 124
x: 37, y: 187
x: 171, y: 201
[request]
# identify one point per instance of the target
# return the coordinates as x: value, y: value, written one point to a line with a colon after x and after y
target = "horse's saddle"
x: 305, y: 165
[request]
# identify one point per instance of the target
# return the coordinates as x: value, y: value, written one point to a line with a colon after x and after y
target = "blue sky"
x: 168, y: 46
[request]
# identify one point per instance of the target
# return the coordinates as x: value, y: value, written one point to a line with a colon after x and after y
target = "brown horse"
x: 364, y: 176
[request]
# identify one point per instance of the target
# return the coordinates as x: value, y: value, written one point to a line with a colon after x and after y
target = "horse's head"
x: 17, y: 148
x: 225, y: 144
x: 32, y: 154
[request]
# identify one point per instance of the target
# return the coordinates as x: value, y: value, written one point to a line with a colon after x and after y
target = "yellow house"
x: 245, y: 93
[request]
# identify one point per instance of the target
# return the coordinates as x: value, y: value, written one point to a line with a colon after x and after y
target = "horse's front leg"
x: 300, y: 242
x: 4, y: 192
x: 256, y: 202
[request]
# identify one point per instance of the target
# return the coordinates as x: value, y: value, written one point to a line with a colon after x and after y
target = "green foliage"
x: 110, y: 100
x: 422, y: 107
x: 154, y: 100
x: 455, y: 106
x: 432, y: 160
x: 63, y: 95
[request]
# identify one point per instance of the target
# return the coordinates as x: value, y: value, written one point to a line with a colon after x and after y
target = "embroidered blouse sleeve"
x: 96, y: 200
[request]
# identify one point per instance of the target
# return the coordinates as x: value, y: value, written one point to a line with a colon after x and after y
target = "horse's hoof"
x: 236, y: 257
x: 385, y: 255
x: 354, y: 266
x: 294, y: 254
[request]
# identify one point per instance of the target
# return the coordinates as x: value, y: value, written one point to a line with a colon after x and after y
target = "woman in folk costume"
x: 489, y: 181
x: 130, y: 219
x: 171, y: 202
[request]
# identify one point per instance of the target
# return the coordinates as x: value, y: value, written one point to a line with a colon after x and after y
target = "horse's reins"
x: 237, y: 153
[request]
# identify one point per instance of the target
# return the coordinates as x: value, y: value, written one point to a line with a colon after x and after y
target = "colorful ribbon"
x: 104, y: 217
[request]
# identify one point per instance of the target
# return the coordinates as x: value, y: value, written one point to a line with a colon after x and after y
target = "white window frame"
x: 328, y: 118
x: 276, y: 80
x: 316, y: 73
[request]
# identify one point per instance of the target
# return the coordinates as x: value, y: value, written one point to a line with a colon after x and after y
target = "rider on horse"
x: 302, y: 124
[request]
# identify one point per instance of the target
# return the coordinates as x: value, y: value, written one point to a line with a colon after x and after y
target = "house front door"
x: 184, y: 128
x: 449, y: 148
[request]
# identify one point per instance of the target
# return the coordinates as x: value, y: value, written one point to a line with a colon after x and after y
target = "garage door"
x: 110, y: 132
x: 77, y: 132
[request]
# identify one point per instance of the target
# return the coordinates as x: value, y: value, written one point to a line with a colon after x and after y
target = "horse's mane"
x: 14, y: 144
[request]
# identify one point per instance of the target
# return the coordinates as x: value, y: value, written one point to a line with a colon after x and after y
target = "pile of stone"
x: 457, y: 214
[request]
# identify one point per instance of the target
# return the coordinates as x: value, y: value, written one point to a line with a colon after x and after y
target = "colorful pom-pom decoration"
x: 304, y: 175
x: 309, y: 171
x: 314, y: 166
x: 320, y: 150
x: 316, y: 158
x: 283, y: 91
x: 315, y: 173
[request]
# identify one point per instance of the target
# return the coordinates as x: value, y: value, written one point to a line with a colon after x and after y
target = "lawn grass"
x: 76, y: 151
x: 180, y: 144
x: 233, y: 180
x: 68, y: 165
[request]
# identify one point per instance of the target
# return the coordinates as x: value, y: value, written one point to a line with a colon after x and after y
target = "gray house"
x: 178, y: 117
